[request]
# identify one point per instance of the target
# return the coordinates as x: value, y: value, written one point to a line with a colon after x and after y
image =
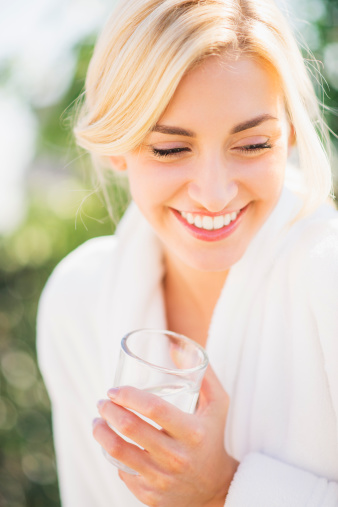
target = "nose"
x: 212, y: 185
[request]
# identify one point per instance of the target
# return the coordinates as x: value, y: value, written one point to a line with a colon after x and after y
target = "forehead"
x: 224, y: 89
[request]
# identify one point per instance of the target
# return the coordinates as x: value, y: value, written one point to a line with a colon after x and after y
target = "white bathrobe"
x: 273, y: 342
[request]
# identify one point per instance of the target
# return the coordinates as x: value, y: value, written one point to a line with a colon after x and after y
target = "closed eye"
x: 253, y: 148
x: 170, y: 152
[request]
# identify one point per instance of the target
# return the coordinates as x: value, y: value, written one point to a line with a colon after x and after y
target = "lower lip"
x: 214, y: 235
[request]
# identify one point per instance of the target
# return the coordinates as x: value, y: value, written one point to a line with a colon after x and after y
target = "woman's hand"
x: 184, y: 463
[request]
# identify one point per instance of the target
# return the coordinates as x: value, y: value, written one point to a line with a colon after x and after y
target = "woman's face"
x: 210, y: 173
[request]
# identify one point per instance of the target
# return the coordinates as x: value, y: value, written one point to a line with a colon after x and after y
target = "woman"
x: 200, y: 104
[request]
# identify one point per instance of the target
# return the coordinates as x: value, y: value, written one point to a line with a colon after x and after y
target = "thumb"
x: 212, y: 394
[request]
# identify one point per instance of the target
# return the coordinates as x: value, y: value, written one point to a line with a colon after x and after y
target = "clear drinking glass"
x: 164, y: 363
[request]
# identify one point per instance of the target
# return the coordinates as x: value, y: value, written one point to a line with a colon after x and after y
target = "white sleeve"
x: 72, y: 415
x: 69, y: 362
x: 261, y: 481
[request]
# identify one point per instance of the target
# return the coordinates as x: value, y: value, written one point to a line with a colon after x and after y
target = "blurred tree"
x: 64, y: 211
x: 327, y: 53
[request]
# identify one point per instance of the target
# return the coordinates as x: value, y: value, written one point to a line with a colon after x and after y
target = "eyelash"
x: 172, y: 152
x: 254, y: 147
x: 168, y: 153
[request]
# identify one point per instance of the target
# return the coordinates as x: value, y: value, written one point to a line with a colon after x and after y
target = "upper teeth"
x: 209, y: 223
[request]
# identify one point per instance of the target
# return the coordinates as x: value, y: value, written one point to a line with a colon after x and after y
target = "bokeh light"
x: 331, y: 63
x: 39, y: 467
x: 19, y: 369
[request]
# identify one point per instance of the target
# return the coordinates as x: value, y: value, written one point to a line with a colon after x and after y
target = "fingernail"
x: 113, y: 392
x: 100, y: 403
x: 95, y: 421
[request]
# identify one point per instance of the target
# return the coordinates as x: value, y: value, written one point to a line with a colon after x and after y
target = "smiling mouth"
x: 209, y: 223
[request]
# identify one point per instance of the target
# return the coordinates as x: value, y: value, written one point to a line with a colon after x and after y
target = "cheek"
x: 152, y: 185
x: 264, y: 177
x: 142, y: 181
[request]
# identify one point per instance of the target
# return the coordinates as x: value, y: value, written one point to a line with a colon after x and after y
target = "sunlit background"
x: 48, y: 203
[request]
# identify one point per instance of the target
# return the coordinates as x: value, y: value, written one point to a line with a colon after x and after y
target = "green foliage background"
x: 63, y: 213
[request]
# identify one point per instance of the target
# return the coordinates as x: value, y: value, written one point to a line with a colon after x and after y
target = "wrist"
x: 233, y: 470
x: 219, y: 500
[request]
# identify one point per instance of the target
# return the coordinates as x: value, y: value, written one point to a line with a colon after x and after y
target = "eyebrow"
x: 254, y: 122
x: 248, y: 124
x: 176, y: 131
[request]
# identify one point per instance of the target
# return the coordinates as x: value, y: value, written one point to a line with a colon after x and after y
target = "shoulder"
x: 316, y: 246
x: 310, y: 278
x: 70, y: 310
x: 80, y: 276
x: 69, y: 319
x: 313, y: 262
x: 92, y: 256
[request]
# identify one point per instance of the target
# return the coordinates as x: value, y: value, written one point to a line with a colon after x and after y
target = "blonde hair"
x: 146, y: 48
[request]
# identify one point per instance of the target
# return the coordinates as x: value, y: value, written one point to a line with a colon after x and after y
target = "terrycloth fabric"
x: 273, y: 342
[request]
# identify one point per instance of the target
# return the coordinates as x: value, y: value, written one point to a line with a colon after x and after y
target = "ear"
x: 292, y: 136
x: 118, y: 163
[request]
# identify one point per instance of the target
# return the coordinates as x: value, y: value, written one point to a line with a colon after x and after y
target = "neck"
x: 190, y: 297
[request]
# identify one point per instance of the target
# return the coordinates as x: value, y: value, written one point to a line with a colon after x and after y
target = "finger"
x: 180, y: 358
x: 132, y: 456
x: 212, y: 397
x: 131, y: 426
x: 143, y: 491
x: 175, y: 422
